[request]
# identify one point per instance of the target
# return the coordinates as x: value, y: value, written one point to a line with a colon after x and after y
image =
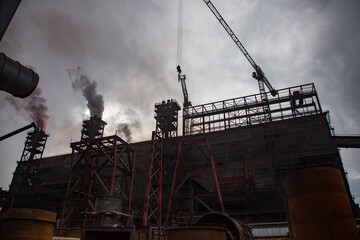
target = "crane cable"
x: 179, y: 33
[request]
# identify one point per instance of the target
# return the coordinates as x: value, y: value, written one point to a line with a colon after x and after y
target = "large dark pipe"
x: 15, y: 78
x: 18, y: 131
x: 7, y: 11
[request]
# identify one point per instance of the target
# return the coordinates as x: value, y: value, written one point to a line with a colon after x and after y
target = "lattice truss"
x: 25, y: 180
x: 195, y: 188
x: 152, y: 215
x: 99, y: 167
x: 34, y: 145
x: 249, y: 110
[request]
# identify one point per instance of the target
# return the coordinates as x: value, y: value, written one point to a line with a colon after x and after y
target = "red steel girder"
x: 185, y: 168
x: 99, y: 167
x: 152, y: 215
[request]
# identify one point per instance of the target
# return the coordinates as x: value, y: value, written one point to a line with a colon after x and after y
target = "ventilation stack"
x: 166, y: 116
x: 92, y: 128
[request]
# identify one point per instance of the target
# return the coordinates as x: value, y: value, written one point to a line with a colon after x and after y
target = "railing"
x: 289, y: 103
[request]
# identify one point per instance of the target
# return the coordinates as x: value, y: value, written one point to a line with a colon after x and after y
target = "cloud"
x: 33, y: 108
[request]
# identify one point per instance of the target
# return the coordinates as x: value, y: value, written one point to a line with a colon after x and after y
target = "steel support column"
x: 194, y: 160
x: 152, y: 215
x: 99, y: 167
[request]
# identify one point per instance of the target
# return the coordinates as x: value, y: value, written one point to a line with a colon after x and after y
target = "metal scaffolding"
x: 152, y: 215
x: 99, y: 167
x: 166, y: 116
x: 191, y: 192
x: 289, y: 103
x: 24, y: 183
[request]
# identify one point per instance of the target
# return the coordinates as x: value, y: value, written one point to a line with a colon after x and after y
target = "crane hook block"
x: 178, y: 69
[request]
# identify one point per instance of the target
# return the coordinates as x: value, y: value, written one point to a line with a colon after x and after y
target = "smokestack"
x: 92, y: 128
x: 81, y: 82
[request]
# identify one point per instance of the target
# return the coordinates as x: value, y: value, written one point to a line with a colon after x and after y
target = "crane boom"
x: 181, y: 79
x: 259, y: 74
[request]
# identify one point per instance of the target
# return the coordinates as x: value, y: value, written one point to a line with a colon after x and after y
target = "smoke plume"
x: 33, y: 107
x: 81, y: 82
x: 126, y: 129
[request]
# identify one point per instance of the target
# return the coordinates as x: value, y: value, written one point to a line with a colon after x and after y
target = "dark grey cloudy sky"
x: 129, y: 48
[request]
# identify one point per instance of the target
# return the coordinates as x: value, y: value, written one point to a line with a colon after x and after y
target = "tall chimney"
x: 92, y: 128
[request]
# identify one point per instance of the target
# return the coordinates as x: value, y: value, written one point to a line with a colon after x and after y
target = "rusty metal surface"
x: 27, y: 224
x: 152, y: 214
x: 191, y: 176
x: 99, y: 167
x: 30, y: 213
x: 238, y: 230
x: 318, y: 206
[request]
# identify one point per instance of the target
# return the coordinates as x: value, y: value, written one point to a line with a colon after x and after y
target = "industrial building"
x: 251, y: 157
x: 263, y: 166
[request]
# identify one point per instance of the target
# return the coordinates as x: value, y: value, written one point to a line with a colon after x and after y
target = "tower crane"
x: 258, y: 74
x: 181, y: 79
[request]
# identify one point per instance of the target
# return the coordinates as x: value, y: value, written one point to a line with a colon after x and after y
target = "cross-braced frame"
x: 191, y: 193
x: 99, y: 167
x: 152, y: 215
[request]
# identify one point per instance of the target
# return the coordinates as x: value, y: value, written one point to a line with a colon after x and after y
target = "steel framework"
x: 289, y: 103
x: 34, y: 145
x: 24, y: 180
x: 188, y: 184
x: 152, y: 215
x: 166, y: 116
x: 92, y: 128
x: 99, y: 167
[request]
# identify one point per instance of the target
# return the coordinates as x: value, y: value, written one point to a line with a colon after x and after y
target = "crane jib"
x: 260, y: 76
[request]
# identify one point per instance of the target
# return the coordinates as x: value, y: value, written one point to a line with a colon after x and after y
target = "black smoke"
x: 33, y: 107
x: 126, y: 129
x: 81, y: 82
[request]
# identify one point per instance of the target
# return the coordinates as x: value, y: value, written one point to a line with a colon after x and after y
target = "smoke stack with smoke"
x: 34, y: 107
x: 81, y: 82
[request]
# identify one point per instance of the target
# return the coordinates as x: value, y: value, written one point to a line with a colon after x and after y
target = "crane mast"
x: 181, y: 79
x: 258, y: 74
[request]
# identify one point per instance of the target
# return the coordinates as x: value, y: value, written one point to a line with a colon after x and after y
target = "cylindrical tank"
x: 15, y: 78
x: 318, y: 206
x: 27, y: 224
x: 107, y: 209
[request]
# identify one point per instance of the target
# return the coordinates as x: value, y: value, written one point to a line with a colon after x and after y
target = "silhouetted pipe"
x: 15, y: 78
x: 18, y: 131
